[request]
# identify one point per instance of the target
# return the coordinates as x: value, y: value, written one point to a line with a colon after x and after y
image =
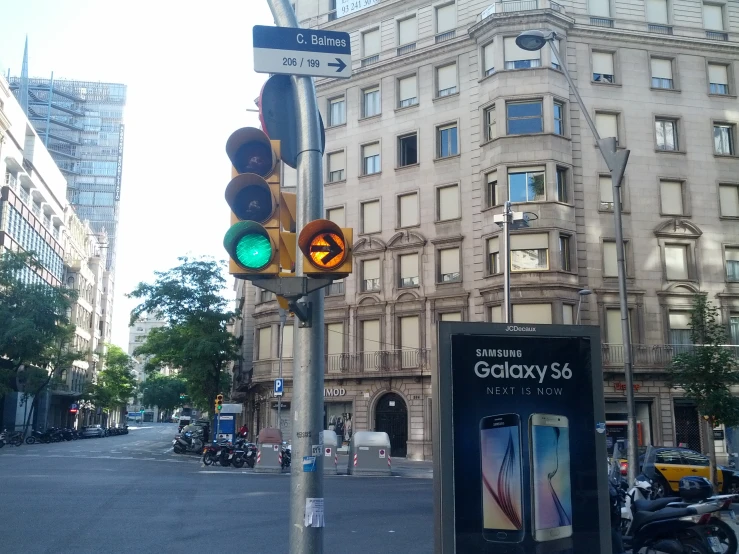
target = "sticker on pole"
x: 316, y: 450
x: 309, y: 464
x: 382, y: 452
x: 327, y: 452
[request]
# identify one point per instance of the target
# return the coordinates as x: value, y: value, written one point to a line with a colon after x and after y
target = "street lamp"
x: 507, y: 220
x: 616, y: 162
x: 581, y: 293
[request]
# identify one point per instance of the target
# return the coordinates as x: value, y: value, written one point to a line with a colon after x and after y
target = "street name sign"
x: 305, y: 52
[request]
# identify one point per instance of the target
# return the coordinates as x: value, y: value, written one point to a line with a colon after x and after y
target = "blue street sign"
x: 307, y: 52
x: 279, y: 384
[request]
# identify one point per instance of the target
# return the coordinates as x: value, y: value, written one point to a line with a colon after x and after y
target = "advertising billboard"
x: 520, y: 459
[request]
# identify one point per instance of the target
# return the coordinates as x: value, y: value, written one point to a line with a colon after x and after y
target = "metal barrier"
x: 269, y: 451
x: 369, y: 454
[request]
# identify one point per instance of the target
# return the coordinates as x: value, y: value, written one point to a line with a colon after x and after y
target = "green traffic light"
x: 253, y: 251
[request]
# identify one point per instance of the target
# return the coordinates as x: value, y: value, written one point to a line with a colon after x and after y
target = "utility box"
x: 269, y: 451
x: 369, y: 454
x: 330, y: 453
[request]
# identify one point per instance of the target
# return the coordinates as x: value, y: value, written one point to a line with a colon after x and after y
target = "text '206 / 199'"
x: 293, y: 62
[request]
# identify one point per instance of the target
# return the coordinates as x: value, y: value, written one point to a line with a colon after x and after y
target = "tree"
x: 196, y: 338
x: 707, y: 372
x: 164, y: 391
x: 116, y: 383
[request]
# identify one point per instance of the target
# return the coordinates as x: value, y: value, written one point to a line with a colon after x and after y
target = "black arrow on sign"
x: 341, y: 65
x: 332, y: 249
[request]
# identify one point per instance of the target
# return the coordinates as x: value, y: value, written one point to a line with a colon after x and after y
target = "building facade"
x: 137, y: 334
x: 445, y: 118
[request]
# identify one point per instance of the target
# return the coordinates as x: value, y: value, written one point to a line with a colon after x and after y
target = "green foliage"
x: 196, y: 339
x: 709, y: 370
x: 164, y: 391
x: 116, y: 383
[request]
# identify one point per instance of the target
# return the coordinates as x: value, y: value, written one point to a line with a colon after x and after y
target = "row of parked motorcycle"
x: 695, y: 523
x: 56, y: 434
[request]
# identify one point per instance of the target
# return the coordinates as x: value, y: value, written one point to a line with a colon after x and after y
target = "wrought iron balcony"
x: 414, y: 360
x: 661, y: 29
x: 370, y: 60
x: 602, y: 22
x: 717, y: 35
x: 647, y: 356
x: 406, y: 48
x: 443, y: 37
x: 519, y: 5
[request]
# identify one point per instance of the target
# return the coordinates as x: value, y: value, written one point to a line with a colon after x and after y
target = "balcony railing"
x: 717, y: 35
x: 649, y: 356
x: 518, y: 5
x: 406, y: 48
x: 443, y: 37
x: 601, y: 22
x: 379, y: 361
x: 556, y: 7
x: 661, y: 29
x: 370, y: 60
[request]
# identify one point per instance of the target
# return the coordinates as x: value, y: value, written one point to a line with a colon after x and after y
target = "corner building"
x: 445, y: 118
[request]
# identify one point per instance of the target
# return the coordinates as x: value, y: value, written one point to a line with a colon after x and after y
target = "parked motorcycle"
x: 287, y: 454
x: 188, y: 442
x: 45, y: 437
x: 14, y: 438
x: 210, y: 454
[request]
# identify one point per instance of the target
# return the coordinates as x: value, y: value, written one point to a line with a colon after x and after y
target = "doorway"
x: 687, y: 426
x: 391, y: 417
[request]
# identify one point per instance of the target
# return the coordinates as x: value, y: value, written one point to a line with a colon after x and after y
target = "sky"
x: 188, y: 68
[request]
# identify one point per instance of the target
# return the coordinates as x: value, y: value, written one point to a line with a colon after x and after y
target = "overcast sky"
x: 188, y: 67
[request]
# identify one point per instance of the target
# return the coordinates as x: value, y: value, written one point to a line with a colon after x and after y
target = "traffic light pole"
x: 306, y: 487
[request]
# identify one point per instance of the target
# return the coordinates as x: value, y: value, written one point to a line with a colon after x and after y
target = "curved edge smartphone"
x: 501, y: 476
x: 551, y: 488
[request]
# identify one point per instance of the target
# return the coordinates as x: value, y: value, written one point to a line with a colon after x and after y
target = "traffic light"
x: 219, y: 402
x: 326, y: 248
x: 261, y: 240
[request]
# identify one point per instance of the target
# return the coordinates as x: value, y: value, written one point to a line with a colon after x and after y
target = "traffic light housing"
x: 219, y: 402
x: 326, y: 249
x: 261, y: 239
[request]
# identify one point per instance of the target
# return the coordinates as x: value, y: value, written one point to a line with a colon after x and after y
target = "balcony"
x: 602, y: 22
x: 406, y: 48
x: 443, y: 37
x: 370, y: 60
x: 646, y: 357
x: 11, y: 181
x: 659, y: 29
x: 518, y: 5
x: 717, y: 35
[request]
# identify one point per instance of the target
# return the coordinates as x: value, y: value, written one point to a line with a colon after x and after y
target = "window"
x: 562, y: 189
x: 671, y: 195
x: 266, y: 295
x: 599, y: 8
x: 493, y: 193
x: 447, y: 203
x: 408, y: 150
x: 526, y: 185
x: 337, y: 216
x: 729, y: 200
x: 718, y: 77
x: 331, y: 10
x: 410, y: 338
x: 605, y: 183
x: 680, y: 329
x: 723, y: 139
x: 676, y: 262
x: 693, y: 458
x: 657, y: 11
x: 371, y: 158
x: 371, y: 102
x: 564, y: 252
x: 568, y: 313
x: 669, y: 457
x: 496, y: 314
x: 264, y: 343
x: 371, y: 336
x: 446, y: 139
x: 371, y: 217
x: 610, y: 259
x: 407, y: 92
x: 530, y: 252
x: 336, y: 166
x: 408, y: 210
x: 666, y: 134
x: 449, y: 265
x: 371, y: 43
x: 493, y: 256
x: 662, y: 73
x: 488, y: 59
x: 370, y: 275
x: 446, y: 80
x: 559, y: 118
x: 334, y: 338
x: 518, y: 58
x: 491, y: 131
x: 532, y: 313
x: 407, y: 31
x: 450, y: 316
x: 408, y: 270
x: 731, y: 255
x: 734, y: 329
x: 603, y: 67
x: 336, y: 111
x: 713, y: 17
x: 614, y: 333
x: 555, y: 57
x: 607, y: 124
x: 446, y: 18
x: 524, y: 117
x: 287, y: 341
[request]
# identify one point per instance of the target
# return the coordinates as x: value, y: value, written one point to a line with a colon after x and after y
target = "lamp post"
x: 581, y: 293
x: 616, y: 162
x: 507, y: 220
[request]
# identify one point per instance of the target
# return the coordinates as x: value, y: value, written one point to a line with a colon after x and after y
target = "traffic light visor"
x: 250, y: 198
x: 250, y: 151
x: 324, y: 244
x: 249, y: 245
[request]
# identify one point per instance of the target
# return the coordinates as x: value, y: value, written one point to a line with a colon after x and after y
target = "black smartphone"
x: 501, y: 473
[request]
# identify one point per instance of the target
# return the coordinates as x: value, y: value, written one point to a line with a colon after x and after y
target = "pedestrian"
x: 243, y: 431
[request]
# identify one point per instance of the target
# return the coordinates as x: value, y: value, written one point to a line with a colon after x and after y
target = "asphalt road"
x: 130, y: 493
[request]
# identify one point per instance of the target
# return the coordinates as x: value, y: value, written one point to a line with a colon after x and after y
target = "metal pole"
x: 616, y: 162
x: 579, y: 303
x: 280, y: 345
x: 507, y: 262
x: 306, y: 488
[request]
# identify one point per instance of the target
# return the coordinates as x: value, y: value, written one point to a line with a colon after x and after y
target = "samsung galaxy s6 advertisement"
x: 525, y: 442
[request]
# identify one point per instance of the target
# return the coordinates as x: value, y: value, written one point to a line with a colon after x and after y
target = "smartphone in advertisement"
x: 551, y: 487
x: 502, y: 478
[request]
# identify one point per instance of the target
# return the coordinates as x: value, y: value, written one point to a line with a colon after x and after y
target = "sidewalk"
x: 401, y: 467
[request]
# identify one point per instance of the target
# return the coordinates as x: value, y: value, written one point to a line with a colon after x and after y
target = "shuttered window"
x: 496, y: 314
x: 610, y: 262
x: 676, y: 261
x: 657, y: 11
x: 287, y: 341
x: 334, y: 338
x: 718, y: 77
x: 599, y: 8
x: 448, y: 202
x: 371, y: 43
x: 603, y: 71
x: 409, y: 332
x: 729, y: 198
x: 488, y: 55
x: 567, y: 314
x: 407, y: 92
x: 337, y: 215
x: 371, y: 217
x: 532, y: 313
x: 371, y: 158
x: 408, y: 270
x: 672, y: 197
x: 613, y: 326
x: 265, y: 343
x: 713, y: 17
x: 407, y: 31
x: 530, y: 252
x: 451, y: 316
x: 449, y: 265
x: 446, y: 78
x: 607, y: 125
x: 446, y: 18
x: 493, y: 256
x: 518, y: 58
x: 370, y: 275
x: 408, y: 210
x: 336, y: 166
x: 371, y: 335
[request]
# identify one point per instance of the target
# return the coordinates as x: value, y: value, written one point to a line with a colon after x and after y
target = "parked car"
x: 93, y: 431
